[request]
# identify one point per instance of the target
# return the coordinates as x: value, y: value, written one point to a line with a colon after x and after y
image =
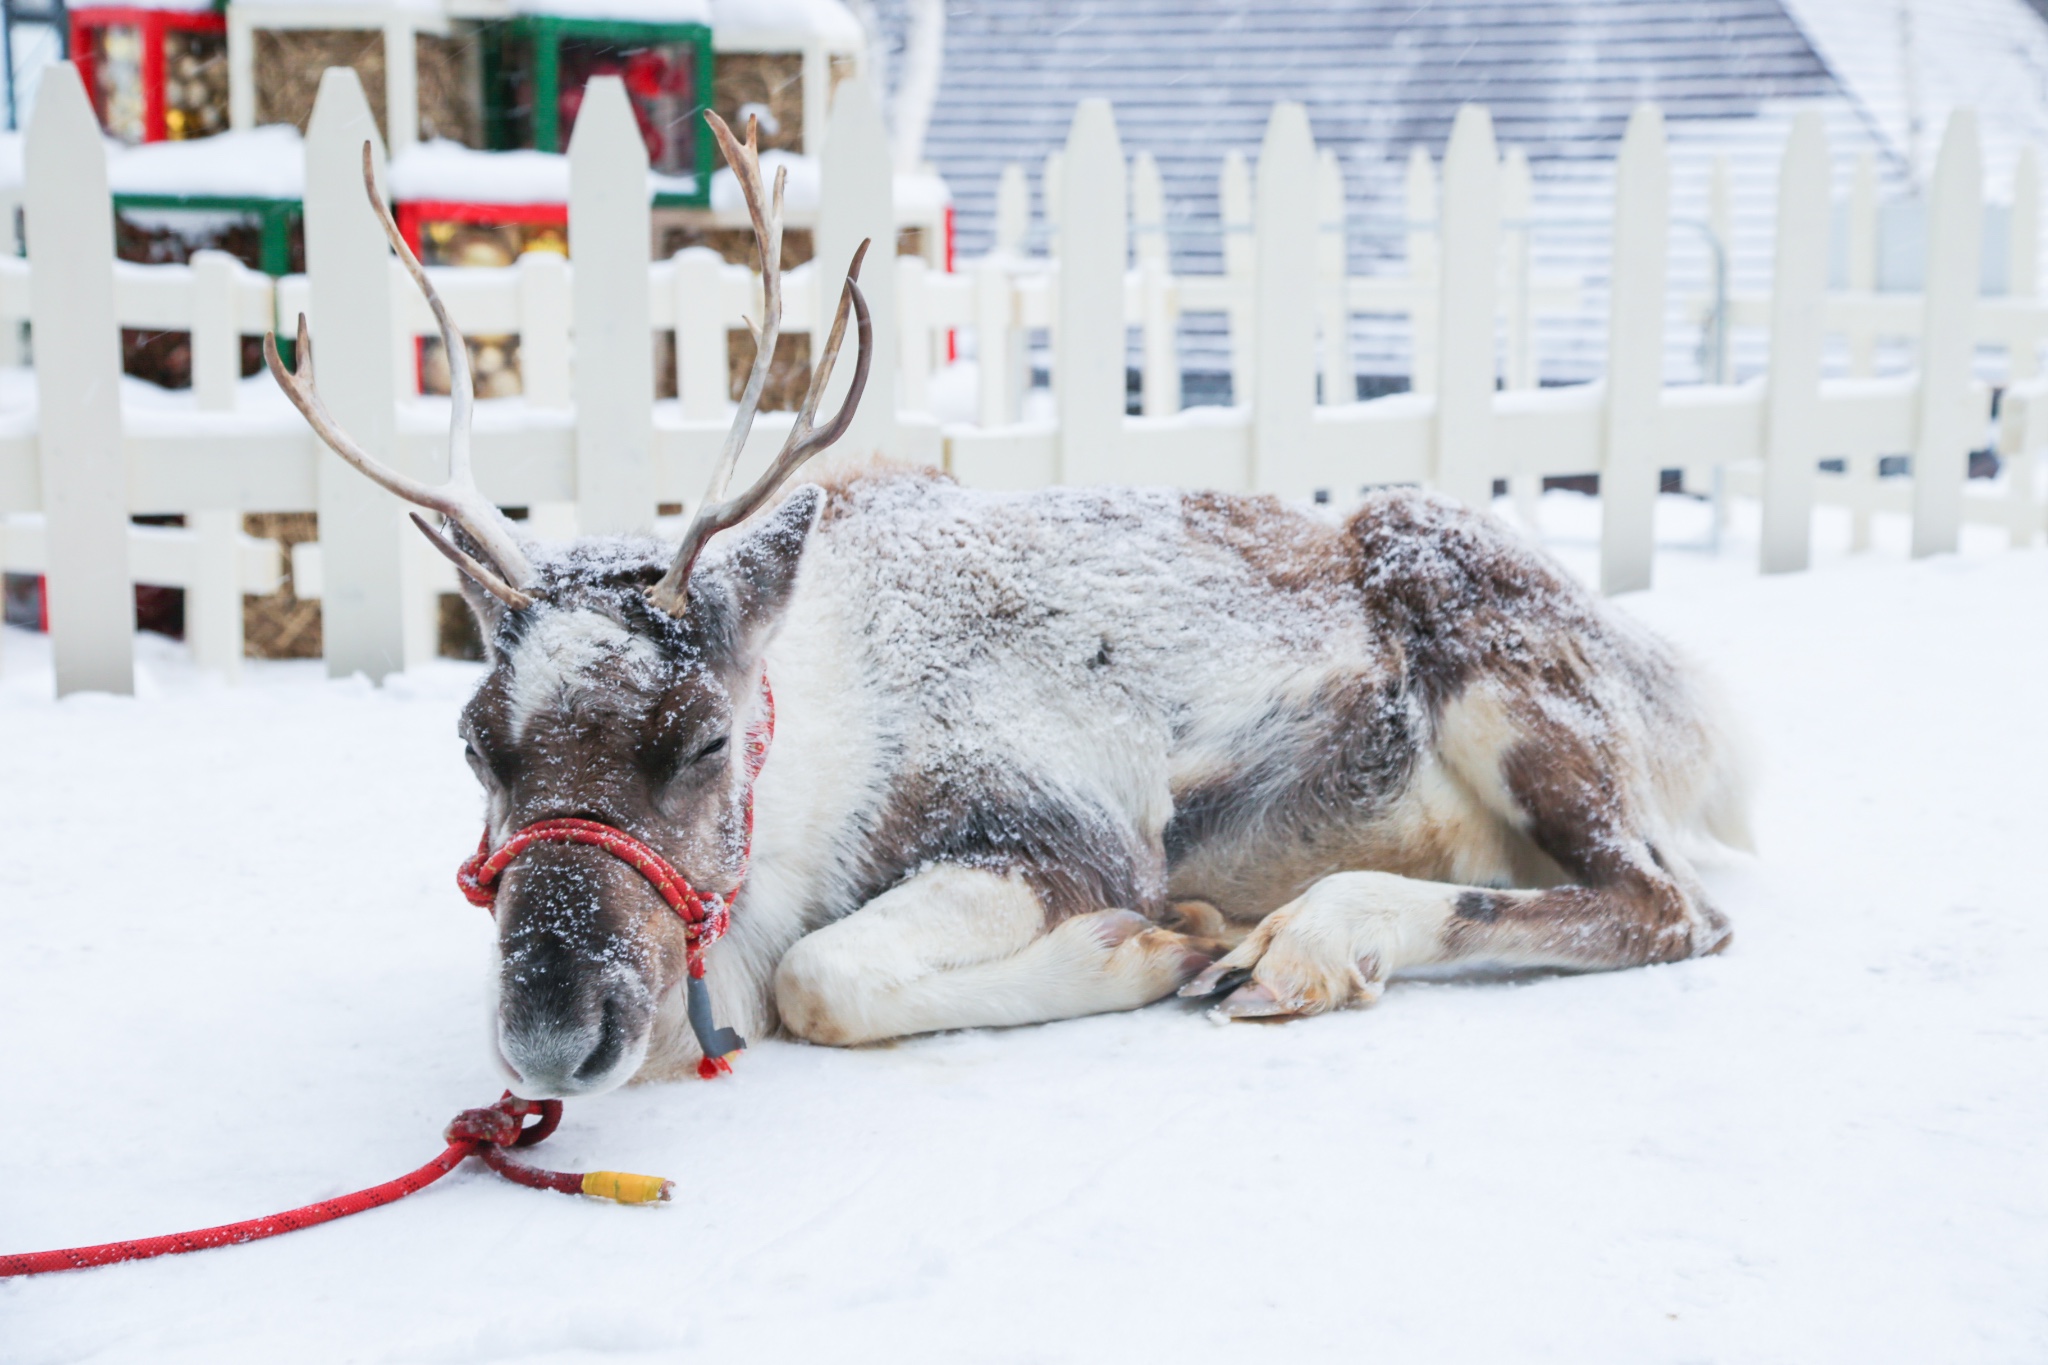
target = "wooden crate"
x: 536, y: 65
x: 153, y: 75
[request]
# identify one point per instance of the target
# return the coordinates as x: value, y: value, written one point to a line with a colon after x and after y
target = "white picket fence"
x: 1474, y: 418
x: 1155, y: 300
x: 589, y: 449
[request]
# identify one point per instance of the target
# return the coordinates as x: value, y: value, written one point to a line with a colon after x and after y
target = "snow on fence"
x: 1473, y: 416
x: 587, y: 447
x: 1865, y: 317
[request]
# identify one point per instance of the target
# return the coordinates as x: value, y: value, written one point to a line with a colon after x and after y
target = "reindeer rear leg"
x: 957, y: 947
x: 1630, y: 901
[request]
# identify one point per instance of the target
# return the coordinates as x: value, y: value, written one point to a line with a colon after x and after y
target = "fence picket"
x: 1955, y: 217
x: 348, y: 263
x: 859, y: 202
x: 1418, y: 198
x: 1517, y: 202
x: 1240, y: 256
x: 85, y: 483
x: 213, y: 602
x: 216, y: 331
x: 1284, y: 305
x: 609, y: 228
x: 545, y: 309
x: 1013, y: 210
x: 703, y: 379
x: 1792, y: 419
x: 1088, y: 349
x: 1635, y: 354
x: 1333, y: 308
x: 1466, y: 368
x: 998, y: 350
x: 914, y: 370
x: 1052, y: 179
x: 1284, y: 287
x: 2023, y: 282
x: 1859, y: 465
x: 1160, y: 379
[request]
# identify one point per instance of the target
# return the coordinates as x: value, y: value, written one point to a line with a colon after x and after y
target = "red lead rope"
x: 488, y: 1132
x: 485, y: 1133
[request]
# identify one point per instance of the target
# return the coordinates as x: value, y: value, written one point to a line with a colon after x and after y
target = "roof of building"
x: 1192, y: 79
x: 1907, y: 63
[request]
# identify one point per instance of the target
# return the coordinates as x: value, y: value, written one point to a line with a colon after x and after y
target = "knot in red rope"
x: 504, y: 1124
x: 484, y: 1133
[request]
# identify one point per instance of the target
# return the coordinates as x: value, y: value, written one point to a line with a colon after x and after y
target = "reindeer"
x: 1047, y: 754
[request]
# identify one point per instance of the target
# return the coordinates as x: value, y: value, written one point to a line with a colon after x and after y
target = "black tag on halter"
x: 716, y: 1041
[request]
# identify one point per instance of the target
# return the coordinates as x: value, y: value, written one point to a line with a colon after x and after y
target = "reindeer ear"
x: 487, y: 610
x: 758, y: 570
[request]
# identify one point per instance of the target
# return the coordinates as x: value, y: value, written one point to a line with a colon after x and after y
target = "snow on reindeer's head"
x: 623, y: 676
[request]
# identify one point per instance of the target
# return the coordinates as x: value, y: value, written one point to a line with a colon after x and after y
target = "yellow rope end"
x: 627, y: 1188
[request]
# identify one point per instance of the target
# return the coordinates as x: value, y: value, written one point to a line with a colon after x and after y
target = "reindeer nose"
x: 574, y: 1010
x: 554, y: 1058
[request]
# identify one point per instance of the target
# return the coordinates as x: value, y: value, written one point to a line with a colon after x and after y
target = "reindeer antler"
x: 458, y: 500
x: 716, y: 513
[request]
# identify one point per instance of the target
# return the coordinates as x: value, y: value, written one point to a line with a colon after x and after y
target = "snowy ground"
x: 235, y: 976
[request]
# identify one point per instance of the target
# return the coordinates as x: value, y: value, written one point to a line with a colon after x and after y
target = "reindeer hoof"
x: 1253, y: 1001
x: 1217, y: 978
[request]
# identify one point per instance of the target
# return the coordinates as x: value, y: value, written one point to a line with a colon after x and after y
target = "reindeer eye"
x: 487, y: 770
x: 708, y: 750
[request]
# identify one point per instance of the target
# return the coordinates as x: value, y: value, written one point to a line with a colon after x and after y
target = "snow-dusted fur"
x: 1046, y: 754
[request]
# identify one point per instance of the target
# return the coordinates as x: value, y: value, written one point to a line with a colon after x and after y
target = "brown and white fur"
x: 1044, y: 755
x: 1047, y: 754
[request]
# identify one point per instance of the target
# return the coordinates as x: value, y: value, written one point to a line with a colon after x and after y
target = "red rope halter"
x: 488, y: 1132
x: 705, y: 917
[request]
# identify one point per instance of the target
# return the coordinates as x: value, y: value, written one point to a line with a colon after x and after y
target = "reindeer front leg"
x: 960, y: 947
x: 1632, y: 901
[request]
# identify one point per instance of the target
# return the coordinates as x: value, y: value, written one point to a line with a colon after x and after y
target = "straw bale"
x: 289, y: 63
x: 280, y: 626
x: 788, y: 377
x: 773, y: 79
x: 675, y: 230
x: 451, y: 83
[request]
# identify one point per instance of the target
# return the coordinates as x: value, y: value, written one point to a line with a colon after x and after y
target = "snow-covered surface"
x: 640, y: 11
x: 266, y: 163
x: 147, y: 407
x: 827, y: 21
x: 921, y: 196
x: 235, y: 976
x: 450, y: 171
x: 269, y: 162
x: 824, y: 21
x: 800, y: 193
x: 1909, y: 63
x: 370, y: 9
